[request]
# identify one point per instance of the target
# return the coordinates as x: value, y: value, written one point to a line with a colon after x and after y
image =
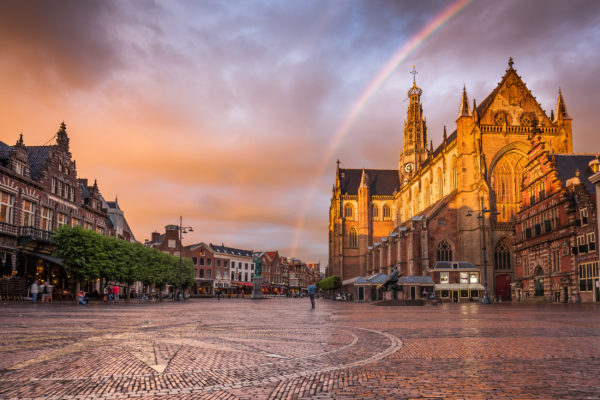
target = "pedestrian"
x: 105, y: 291
x: 109, y: 291
x: 34, y: 291
x: 116, y: 293
x: 49, y: 288
x: 312, y: 289
x: 42, y: 292
x: 218, y: 295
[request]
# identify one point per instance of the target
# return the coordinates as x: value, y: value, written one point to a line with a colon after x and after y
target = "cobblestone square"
x: 281, y: 349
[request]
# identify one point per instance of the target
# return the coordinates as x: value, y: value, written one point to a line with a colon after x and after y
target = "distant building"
x: 240, y: 262
x: 205, y: 265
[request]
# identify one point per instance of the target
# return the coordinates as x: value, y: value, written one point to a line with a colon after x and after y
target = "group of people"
x: 111, y: 293
x: 43, y: 291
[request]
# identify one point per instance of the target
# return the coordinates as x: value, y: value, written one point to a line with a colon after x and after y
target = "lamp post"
x: 182, y: 230
x: 481, y: 217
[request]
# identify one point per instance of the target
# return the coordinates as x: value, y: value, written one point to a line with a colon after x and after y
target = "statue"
x: 392, y: 283
x: 257, y: 267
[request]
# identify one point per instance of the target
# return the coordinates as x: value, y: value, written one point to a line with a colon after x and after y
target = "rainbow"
x: 390, y: 66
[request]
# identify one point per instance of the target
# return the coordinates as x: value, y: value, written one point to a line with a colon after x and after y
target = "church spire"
x: 414, y: 149
x: 561, y: 109
x: 464, y: 111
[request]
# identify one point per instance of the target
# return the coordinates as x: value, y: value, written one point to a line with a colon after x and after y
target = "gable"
x: 511, y: 101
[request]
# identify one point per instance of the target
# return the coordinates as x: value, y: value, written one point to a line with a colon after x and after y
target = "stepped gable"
x: 567, y: 166
x: 381, y: 182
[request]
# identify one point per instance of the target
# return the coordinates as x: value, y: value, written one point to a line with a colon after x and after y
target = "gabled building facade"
x: 556, y: 230
x: 39, y: 192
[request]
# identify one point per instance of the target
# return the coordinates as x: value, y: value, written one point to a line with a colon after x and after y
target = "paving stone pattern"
x: 281, y: 349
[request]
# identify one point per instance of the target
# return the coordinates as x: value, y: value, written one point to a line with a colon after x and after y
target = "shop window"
x: 444, y: 277
x: 464, y: 277
x: 444, y: 294
x: 464, y: 293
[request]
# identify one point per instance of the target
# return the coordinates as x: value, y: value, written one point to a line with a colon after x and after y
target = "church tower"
x: 414, y: 149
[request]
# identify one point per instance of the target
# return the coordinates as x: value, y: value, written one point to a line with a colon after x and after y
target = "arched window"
x: 386, y: 212
x: 440, y: 184
x: 353, y: 238
x: 444, y: 251
x: 348, y: 210
x: 454, y: 178
x: 502, y: 256
x: 375, y: 211
x: 427, y: 194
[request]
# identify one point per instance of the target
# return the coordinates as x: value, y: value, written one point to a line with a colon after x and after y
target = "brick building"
x: 556, y: 230
x: 39, y: 192
x: 203, y: 258
x: 241, y: 266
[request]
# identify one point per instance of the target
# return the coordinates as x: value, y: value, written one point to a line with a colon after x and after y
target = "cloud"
x: 223, y: 112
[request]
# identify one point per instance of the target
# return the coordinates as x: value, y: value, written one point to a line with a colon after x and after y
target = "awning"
x: 47, y: 257
x: 242, y: 283
x: 458, y: 286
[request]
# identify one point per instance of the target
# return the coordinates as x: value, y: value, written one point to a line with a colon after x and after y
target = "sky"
x: 232, y: 114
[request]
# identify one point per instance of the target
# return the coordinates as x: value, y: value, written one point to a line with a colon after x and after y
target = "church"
x: 455, y: 202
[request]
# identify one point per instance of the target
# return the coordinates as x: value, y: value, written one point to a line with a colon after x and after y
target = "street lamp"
x: 486, y: 299
x: 182, y: 230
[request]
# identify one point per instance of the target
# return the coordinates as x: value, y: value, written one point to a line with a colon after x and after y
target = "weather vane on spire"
x: 414, y: 74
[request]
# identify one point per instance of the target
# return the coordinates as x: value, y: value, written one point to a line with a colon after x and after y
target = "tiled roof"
x: 377, y: 279
x: 232, y: 251
x: 453, y: 264
x: 382, y: 182
x: 37, y: 156
x: 568, y: 164
x: 4, y: 152
x: 415, y: 279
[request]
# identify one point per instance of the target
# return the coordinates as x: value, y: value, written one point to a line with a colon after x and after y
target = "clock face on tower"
x: 408, y: 167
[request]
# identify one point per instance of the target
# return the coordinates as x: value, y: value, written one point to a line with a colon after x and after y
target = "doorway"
x: 455, y: 296
x: 413, y: 293
x: 503, y: 287
x: 361, y: 293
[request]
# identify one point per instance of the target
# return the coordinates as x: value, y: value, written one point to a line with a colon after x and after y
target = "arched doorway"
x: 539, y: 281
x: 502, y: 263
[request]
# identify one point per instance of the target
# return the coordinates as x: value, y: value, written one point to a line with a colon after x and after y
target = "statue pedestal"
x: 257, y: 288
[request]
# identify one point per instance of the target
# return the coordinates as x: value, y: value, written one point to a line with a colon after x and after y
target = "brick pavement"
x: 235, y: 349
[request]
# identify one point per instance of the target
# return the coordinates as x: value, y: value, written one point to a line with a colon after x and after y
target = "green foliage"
x: 89, y: 255
x: 332, y: 283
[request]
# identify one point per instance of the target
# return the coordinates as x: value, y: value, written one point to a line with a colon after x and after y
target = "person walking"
x: 34, y: 291
x: 116, y: 293
x: 49, y: 288
x: 218, y: 295
x: 312, y: 289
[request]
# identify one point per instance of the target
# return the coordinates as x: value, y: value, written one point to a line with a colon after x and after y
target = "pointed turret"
x: 561, y: 109
x: 464, y: 111
x: 475, y: 113
x: 338, y: 181
x: 61, y: 137
x: 364, y: 179
x: 445, y: 136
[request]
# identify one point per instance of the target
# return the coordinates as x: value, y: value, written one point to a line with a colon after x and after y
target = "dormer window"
x: 20, y: 168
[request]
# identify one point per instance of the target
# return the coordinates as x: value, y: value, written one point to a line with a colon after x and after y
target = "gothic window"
x: 502, y: 256
x: 353, y: 238
x: 454, y: 178
x: 386, y: 212
x: 375, y: 211
x: 348, y: 211
x: 427, y: 194
x: 440, y: 184
x: 506, y: 182
x: 444, y: 251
